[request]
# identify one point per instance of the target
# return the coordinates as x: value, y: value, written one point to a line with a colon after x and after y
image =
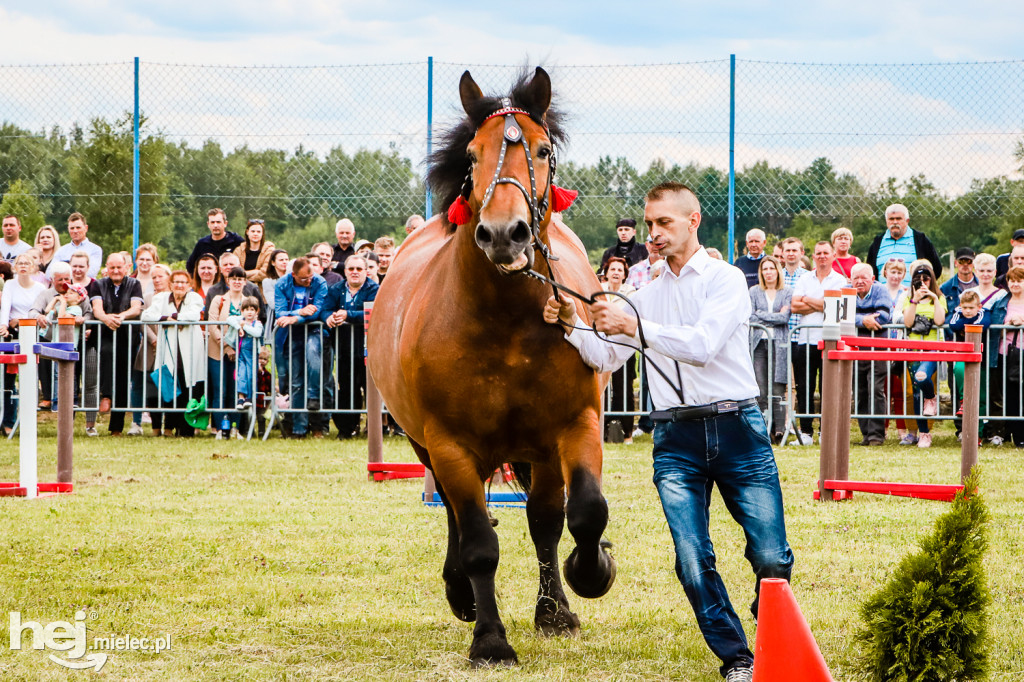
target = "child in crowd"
x: 263, y: 385
x: 968, y: 312
x: 1009, y: 311
x: 249, y: 330
x: 68, y: 304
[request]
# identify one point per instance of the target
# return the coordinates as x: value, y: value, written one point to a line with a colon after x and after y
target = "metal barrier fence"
x: 311, y: 362
x: 761, y: 142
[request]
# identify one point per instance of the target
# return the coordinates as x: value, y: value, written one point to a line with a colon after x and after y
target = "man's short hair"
x: 16, y: 218
x: 970, y: 296
x: 1015, y: 274
x: 319, y: 244
x: 416, y: 217
x: 823, y: 242
x: 384, y: 242
x: 214, y: 211
x: 755, y: 232
x: 77, y: 216
x: 226, y: 254
x: 117, y: 254
x: 658, y: 192
x: 793, y: 240
x: 861, y: 267
x: 344, y: 222
x: 897, y: 208
x: 60, y: 268
x: 355, y: 255
x: 310, y: 256
x: 298, y: 264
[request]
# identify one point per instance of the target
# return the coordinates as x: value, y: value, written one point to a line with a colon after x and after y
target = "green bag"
x: 196, y: 414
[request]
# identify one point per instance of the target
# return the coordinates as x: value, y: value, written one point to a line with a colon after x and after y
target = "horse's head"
x: 497, y: 168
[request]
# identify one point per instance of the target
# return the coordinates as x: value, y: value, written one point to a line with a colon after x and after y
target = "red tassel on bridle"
x: 460, y: 212
x: 562, y: 198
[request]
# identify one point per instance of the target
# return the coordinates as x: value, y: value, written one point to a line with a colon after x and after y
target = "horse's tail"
x: 524, y: 475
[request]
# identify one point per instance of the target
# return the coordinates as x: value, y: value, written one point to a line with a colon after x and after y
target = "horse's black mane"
x: 449, y: 163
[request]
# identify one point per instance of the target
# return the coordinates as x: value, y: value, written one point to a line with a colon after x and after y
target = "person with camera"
x: 923, y: 312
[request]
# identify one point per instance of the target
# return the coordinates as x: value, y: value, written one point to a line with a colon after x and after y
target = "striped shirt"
x: 794, y: 319
x: 897, y: 248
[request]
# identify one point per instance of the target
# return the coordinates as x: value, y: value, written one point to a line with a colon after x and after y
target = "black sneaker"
x: 313, y: 405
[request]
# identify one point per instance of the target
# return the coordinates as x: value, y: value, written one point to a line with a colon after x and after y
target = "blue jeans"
x: 246, y: 360
x: 732, y: 451
x: 923, y: 388
x: 304, y: 360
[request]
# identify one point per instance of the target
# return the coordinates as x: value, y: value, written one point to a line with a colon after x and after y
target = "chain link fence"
x: 815, y: 145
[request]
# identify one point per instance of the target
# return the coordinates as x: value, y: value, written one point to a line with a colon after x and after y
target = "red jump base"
x: 924, y: 491
x: 42, y: 489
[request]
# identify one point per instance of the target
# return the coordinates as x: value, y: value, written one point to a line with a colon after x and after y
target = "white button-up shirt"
x: 94, y: 250
x: 810, y: 285
x: 699, y: 319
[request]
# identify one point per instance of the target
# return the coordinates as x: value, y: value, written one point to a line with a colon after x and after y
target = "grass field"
x: 279, y: 560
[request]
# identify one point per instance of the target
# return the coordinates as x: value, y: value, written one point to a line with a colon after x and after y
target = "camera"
x: 918, y: 280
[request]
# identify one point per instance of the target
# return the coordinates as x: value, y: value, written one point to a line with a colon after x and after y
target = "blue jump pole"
x: 135, y: 166
x: 430, y: 130
x: 732, y: 157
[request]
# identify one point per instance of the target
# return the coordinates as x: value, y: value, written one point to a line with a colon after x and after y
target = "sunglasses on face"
x: 256, y: 221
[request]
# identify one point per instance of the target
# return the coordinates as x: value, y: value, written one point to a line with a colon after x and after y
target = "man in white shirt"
x: 78, y: 230
x: 694, y: 321
x: 12, y: 246
x: 809, y: 301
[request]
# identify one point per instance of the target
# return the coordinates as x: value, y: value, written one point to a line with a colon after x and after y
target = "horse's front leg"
x: 457, y: 474
x: 545, y: 512
x: 590, y: 569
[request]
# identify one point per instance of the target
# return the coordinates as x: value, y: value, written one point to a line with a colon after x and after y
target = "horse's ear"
x: 541, y: 88
x: 469, y: 91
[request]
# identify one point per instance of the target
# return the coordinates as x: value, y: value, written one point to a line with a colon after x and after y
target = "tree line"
x: 45, y: 176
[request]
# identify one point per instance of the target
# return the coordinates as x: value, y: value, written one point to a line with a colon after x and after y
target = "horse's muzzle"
x: 507, y: 246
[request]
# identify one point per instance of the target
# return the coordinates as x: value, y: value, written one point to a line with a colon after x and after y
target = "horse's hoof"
x: 492, y: 650
x: 461, y: 600
x: 561, y: 623
x: 594, y: 581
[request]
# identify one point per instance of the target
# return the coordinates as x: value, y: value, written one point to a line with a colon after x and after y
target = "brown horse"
x: 467, y: 366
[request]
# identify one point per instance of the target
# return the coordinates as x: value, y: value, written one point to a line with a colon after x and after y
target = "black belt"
x: 679, y: 414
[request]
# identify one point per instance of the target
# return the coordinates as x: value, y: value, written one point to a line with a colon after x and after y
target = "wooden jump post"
x: 24, y: 353
x: 840, y: 349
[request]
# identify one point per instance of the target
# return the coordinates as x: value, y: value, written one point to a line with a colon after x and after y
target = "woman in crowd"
x: 180, y: 350
x: 145, y: 359
x: 47, y: 242
x: 372, y: 267
x: 842, y: 240
x: 770, y: 304
x: 207, y: 274
x: 615, y: 271
x: 893, y: 272
x: 991, y: 374
x: 277, y: 267
x: 15, y: 302
x: 146, y: 257
x: 923, y: 312
x: 255, y: 253
x: 222, y: 348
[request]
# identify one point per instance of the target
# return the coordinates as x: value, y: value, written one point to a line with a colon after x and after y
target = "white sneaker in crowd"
x: 924, y: 440
x: 134, y: 430
x: 805, y: 438
x: 996, y: 440
x: 234, y: 434
x: 637, y: 433
x: 91, y: 431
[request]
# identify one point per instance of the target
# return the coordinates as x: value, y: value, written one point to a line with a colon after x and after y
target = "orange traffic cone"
x: 785, y: 649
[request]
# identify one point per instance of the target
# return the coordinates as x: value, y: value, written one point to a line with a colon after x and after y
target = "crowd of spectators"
x: 194, y: 348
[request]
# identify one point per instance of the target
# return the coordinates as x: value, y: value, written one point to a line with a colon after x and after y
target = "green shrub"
x: 928, y: 622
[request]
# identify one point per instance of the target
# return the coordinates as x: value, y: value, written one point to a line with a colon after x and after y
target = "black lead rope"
x: 590, y: 300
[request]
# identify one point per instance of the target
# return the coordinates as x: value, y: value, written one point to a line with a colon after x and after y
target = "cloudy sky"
x: 950, y: 122
x: 304, y: 32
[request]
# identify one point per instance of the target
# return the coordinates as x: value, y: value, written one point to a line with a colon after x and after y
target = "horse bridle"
x: 513, y: 134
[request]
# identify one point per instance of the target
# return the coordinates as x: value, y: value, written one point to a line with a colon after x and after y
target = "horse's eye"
x: 472, y: 158
x: 544, y: 152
